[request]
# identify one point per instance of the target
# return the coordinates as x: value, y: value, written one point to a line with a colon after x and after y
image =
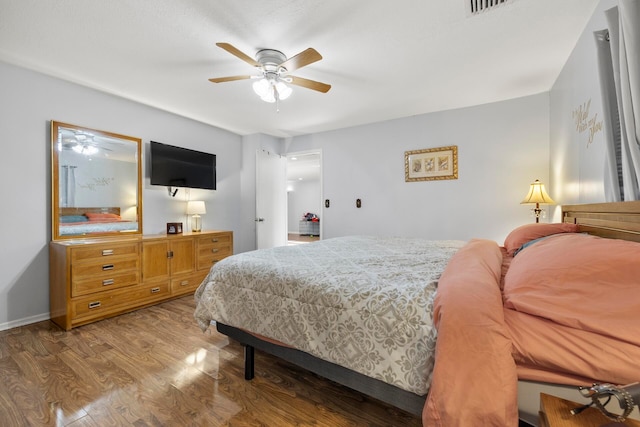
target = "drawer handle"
x: 214, y: 240
x: 155, y: 290
x: 107, y: 267
x: 106, y: 252
x: 214, y: 250
x: 214, y: 261
x: 107, y: 282
x: 184, y: 283
x: 94, y: 304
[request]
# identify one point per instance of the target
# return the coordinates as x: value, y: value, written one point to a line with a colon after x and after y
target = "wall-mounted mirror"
x: 96, y: 183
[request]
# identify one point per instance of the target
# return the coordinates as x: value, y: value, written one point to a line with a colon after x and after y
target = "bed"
x: 489, y: 319
x: 93, y: 220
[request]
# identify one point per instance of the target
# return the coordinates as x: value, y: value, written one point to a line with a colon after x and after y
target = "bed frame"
x: 616, y: 220
x: 619, y: 220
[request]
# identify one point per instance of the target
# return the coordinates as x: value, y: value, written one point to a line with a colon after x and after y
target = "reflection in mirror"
x: 96, y: 183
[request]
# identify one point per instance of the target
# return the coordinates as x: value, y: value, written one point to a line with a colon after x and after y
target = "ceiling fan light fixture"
x: 85, y: 149
x: 284, y: 91
x: 261, y: 87
x: 270, y: 89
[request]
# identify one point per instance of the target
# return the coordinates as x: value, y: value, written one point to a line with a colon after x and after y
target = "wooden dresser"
x: 92, y: 279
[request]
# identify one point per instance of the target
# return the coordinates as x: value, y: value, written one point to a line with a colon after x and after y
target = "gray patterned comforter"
x: 364, y: 303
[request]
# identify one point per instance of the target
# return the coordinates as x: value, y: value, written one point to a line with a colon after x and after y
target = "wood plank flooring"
x: 154, y: 367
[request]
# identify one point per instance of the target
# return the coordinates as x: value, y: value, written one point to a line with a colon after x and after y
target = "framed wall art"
x: 431, y: 164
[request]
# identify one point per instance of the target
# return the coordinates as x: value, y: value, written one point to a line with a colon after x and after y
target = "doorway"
x: 304, y: 196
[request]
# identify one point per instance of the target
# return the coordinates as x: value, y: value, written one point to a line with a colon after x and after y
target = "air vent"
x: 478, y: 6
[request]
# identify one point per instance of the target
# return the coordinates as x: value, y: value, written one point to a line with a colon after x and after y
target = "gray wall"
x: 502, y: 148
x: 577, y: 162
x: 28, y: 102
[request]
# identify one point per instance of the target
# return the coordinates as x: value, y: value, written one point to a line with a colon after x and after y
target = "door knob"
x: 259, y: 219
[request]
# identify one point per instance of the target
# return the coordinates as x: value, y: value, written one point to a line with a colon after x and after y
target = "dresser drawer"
x: 103, y: 269
x: 104, y: 303
x: 104, y: 251
x: 187, y: 284
x: 213, y: 248
x: 99, y: 284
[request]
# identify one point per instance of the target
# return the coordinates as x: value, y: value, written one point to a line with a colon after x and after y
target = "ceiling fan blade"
x: 228, y: 79
x: 302, y: 59
x: 246, y: 58
x: 310, y: 84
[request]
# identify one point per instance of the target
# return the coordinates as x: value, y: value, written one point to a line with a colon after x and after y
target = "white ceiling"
x: 384, y: 59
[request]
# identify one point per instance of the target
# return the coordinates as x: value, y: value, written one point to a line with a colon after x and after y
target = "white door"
x: 271, y: 200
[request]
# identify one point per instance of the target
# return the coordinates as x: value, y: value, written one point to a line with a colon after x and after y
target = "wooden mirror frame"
x: 99, y: 140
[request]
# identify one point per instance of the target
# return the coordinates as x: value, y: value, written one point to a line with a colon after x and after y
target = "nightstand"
x: 555, y: 412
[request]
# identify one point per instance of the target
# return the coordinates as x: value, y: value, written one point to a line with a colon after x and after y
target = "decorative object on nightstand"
x: 557, y: 412
x: 174, y: 228
x: 538, y: 195
x: 627, y: 397
x: 196, y: 208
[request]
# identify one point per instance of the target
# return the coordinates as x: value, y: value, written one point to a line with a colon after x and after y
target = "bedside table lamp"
x: 196, y: 208
x: 537, y: 194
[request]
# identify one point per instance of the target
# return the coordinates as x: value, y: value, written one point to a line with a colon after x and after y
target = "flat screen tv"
x: 181, y: 167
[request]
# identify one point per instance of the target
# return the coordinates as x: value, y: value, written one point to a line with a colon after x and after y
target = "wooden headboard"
x: 615, y: 220
x: 82, y: 211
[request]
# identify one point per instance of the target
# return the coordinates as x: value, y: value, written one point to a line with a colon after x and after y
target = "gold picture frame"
x: 431, y: 164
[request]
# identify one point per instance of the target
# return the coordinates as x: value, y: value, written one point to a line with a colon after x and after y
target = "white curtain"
x: 68, y: 186
x: 621, y: 76
x: 613, y: 183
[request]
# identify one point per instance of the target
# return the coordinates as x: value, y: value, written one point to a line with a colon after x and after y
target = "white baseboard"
x: 24, y: 321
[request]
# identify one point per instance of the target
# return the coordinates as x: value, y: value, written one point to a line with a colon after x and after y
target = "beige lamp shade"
x: 196, y: 207
x: 538, y: 194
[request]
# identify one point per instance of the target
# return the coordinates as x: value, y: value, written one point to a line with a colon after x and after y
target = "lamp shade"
x: 196, y: 207
x: 538, y: 194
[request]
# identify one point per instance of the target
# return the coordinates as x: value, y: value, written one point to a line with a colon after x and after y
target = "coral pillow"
x: 580, y: 281
x: 525, y: 233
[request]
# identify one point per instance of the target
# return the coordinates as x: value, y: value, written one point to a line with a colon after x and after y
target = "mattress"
x: 361, y: 302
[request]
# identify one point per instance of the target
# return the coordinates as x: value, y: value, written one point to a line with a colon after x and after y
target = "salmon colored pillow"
x: 580, y: 281
x: 98, y: 216
x: 529, y: 232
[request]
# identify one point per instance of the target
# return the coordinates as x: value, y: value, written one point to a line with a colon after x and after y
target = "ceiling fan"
x: 84, y: 142
x: 274, y: 69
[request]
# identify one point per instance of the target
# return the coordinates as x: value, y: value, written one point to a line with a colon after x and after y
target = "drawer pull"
x: 184, y: 283
x: 155, y: 290
x: 214, y: 240
x: 107, y: 282
x: 106, y: 252
x: 214, y: 250
x: 94, y: 304
x: 108, y: 267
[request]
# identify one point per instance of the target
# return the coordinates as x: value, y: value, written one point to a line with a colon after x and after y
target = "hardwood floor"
x: 294, y: 238
x: 154, y: 367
